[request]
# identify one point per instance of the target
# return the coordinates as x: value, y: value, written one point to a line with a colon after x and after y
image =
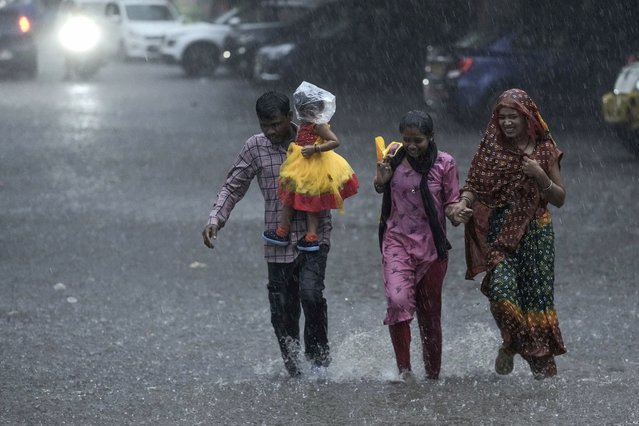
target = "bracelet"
x: 317, y: 148
x: 469, y: 202
x: 548, y: 187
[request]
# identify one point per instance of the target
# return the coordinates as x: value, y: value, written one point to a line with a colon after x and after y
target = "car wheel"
x: 200, y: 59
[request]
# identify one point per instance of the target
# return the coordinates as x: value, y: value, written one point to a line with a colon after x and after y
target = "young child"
x: 313, y: 178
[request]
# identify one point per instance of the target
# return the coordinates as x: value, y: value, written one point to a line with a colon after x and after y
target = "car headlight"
x: 279, y: 51
x: 79, y: 34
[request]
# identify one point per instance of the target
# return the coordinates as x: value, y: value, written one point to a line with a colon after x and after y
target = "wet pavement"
x: 113, y: 311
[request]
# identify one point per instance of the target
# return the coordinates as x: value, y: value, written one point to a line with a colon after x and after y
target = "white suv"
x: 197, y: 46
x: 139, y: 26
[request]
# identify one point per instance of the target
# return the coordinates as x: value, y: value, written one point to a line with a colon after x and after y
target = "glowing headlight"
x: 79, y: 34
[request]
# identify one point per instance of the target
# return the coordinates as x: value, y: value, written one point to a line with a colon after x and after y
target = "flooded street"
x: 113, y: 312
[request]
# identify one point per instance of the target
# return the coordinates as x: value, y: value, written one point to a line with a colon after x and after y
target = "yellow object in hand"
x: 382, y: 149
x: 379, y: 147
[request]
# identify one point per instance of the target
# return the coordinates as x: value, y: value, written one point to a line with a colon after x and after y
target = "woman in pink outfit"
x: 419, y: 184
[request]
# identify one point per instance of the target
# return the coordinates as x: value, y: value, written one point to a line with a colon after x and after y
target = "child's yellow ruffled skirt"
x: 320, y: 182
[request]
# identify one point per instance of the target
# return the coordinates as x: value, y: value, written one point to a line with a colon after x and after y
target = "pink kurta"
x: 408, y: 247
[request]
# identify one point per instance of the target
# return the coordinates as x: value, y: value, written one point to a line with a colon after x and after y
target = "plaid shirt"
x: 259, y: 157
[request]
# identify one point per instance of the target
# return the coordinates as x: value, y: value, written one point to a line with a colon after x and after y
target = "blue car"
x: 560, y: 66
x: 18, y: 51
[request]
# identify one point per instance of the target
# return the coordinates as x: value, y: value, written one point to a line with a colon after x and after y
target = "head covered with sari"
x: 497, y: 180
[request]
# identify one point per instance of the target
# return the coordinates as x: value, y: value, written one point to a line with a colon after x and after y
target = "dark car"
x: 18, y: 51
x: 376, y: 42
x: 255, y: 27
x: 567, y: 62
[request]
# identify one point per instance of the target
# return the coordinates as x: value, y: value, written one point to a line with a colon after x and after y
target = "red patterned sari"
x: 511, y: 236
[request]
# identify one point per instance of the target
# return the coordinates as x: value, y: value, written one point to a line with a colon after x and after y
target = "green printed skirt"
x: 521, y: 290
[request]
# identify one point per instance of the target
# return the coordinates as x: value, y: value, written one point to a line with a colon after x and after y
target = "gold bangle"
x: 548, y: 187
x: 469, y: 202
x: 317, y: 148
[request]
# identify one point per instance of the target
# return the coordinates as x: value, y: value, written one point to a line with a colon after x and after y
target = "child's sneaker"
x: 305, y: 245
x: 272, y: 238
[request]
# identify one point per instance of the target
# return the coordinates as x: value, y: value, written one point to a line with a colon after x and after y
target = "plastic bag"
x: 313, y: 104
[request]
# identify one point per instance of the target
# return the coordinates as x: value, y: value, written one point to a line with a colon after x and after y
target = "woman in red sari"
x: 513, y: 176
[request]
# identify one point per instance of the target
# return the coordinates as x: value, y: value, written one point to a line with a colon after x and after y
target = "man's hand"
x: 209, y: 234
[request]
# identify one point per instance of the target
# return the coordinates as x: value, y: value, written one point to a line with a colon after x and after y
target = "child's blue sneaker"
x: 305, y: 245
x: 272, y: 238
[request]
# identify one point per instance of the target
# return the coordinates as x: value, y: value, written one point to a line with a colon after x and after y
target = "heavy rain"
x: 112, y: 310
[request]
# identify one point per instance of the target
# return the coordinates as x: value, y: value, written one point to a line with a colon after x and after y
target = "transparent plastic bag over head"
x: 313, y: 104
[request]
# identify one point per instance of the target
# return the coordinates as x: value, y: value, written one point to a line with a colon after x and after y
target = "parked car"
x: 376, y: 42
x: 18, y: 49
x: 621, y: 106
x: 554, y: 61
x: 139, y: 26
x: 197, y: 47
x: 255, y: 27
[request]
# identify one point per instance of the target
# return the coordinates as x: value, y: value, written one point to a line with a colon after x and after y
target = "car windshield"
x: 149, y: 12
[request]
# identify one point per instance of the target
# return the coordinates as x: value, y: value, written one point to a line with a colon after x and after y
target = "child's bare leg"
x: 312, y: 223
x: 286, y: 216
x: 309, y: 242
x: 280, y: 236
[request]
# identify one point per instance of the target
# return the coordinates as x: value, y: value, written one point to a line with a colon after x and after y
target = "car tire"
x: 200, y: 59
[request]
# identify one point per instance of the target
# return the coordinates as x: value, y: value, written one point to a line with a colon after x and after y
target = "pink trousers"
x: 428, y: 302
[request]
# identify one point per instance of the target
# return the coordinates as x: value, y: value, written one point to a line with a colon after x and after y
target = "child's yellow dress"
x: 320, y: 182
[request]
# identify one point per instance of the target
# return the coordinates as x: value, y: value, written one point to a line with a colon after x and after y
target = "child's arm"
x: 330, y: 139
